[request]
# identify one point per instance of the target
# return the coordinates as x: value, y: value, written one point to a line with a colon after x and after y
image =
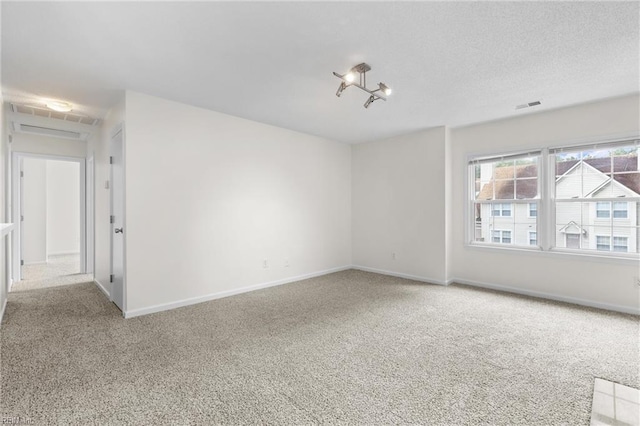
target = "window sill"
x: 628, y: 259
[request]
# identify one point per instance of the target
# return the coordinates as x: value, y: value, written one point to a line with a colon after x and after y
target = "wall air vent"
x: 529, y: 104
x: 46, y: 131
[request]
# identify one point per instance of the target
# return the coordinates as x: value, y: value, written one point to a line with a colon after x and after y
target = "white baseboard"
x: 550, y: 296
x: 63, y: 253
x: 402, y: 275
x: 195, y: 300
x: 4, y: 305
x: 102, y: 288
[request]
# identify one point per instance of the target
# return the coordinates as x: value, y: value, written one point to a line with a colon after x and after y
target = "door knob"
x: 118, y: 230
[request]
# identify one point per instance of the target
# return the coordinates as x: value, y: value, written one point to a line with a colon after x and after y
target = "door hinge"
x: 112, y: 219
x: 21, y: 173
x: 21, y: 218
x: 111, y: 278
x: 22, y: 263
x: 110, y: 160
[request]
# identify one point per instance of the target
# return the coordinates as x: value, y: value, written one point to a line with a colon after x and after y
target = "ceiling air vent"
x: 46, y: 131
x: 527, y: 105
x: 66, y: 116
x: 40, y: 121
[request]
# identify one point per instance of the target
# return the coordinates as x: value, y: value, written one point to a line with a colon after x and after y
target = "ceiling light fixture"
x: 349, y: 78
x: 59, y: 106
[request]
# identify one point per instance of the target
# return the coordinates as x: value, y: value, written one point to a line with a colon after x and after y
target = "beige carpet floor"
x: 58, y: 270
x: 346, y: 348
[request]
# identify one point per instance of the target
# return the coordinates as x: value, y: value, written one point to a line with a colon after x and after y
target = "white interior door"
x: 21, y: 210
x: 117, y: 220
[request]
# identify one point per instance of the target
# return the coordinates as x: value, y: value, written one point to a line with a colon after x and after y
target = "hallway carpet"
x: 57, y: 271
x: 347, y: 348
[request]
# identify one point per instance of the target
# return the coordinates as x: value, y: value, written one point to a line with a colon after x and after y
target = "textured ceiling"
x: 449, y: 63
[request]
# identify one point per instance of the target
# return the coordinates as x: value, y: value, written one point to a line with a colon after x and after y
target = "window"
x: 503, y: 189
x: 501, y: 237
x: 589, y: 184
x: 603, y: 209
x: 620, y: 210
x: 620, y: 244
x: 603, y: 243
x: 503, y: 210
x: 591, y: 192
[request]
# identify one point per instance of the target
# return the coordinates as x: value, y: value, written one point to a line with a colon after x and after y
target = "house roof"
x: 526, y: 186
x: 625, y: 172
x: 625, y: 169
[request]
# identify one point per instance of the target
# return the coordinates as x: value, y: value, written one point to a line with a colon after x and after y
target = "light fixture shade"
x: 350, y: 77
x: 368, y: 102
x: 384, y: 88
x: 59, y: 106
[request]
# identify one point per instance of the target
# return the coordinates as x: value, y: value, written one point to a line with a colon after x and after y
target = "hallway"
x: 57, y: 271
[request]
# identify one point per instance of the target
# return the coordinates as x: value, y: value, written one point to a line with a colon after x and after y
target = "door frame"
x: 16, y: 195
x: 119, y: 128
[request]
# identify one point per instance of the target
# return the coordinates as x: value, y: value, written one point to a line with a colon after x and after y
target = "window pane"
x: 533, y: 209
x: 506, y: 180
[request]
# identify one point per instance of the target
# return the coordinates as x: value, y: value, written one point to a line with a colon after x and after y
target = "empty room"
x: 362, y: 213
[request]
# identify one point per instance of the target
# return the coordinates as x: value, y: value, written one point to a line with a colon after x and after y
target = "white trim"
x: 4, y: 306
x: 102, y: 288
x: 219, y: 295
x: 550, y: 296
x: 36, y: 262
x: 402, y: 275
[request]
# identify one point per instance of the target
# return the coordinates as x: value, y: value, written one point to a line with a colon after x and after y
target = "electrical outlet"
x: 393, y: 255
x: 636, y: 280
x: 286, y: 263
x: 265, y: 263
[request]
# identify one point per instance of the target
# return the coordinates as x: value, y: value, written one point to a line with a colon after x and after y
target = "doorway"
x: 49, y: 203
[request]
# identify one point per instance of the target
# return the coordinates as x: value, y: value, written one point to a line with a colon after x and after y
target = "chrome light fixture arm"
x: 349, y: 80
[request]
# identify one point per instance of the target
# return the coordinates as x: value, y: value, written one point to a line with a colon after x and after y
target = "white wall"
x: 399, y: 205
x: 210, y: 196
x: 63, y: 207
x: 573, y: 277
x: 34, y: 244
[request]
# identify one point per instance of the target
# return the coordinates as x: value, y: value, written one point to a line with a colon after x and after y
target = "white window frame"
x: 546, y: 213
